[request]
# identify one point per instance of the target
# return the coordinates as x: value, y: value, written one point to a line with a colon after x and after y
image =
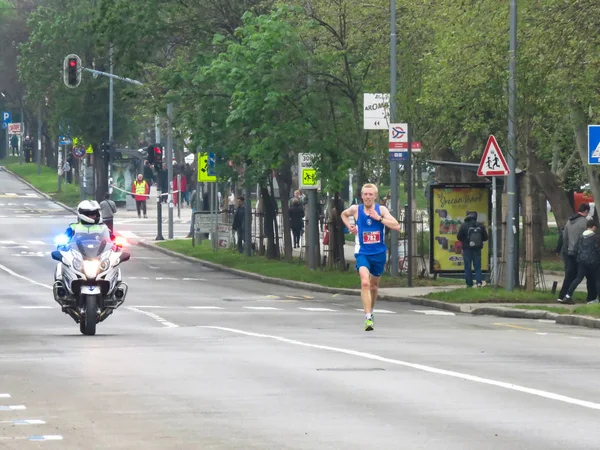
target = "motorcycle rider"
x: 89, y: 220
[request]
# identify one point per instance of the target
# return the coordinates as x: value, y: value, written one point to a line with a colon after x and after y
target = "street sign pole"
x: 393, y: 164
x: 170, y: 166
x: 495, y: 272
x: 492, y: 165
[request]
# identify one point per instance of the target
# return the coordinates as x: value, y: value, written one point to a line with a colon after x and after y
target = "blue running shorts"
x: 375, y: 263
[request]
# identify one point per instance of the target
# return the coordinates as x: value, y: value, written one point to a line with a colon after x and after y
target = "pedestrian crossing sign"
x: 492, y: 162
x: 309, y: 177
x: 204, y: 170
x: 593, y: 144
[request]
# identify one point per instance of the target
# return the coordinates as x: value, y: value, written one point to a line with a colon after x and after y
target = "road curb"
x: 498, y: 311
x: 43, y: 194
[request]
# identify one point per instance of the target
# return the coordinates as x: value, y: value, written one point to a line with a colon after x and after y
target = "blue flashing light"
x: 61, y: 239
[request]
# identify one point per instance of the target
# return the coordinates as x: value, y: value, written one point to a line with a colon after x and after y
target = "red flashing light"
x: 72, y: 63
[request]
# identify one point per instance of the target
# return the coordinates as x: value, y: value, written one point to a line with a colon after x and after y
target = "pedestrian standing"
x: 140, y: 191
x: 108, y: 209
x: 472, y: 234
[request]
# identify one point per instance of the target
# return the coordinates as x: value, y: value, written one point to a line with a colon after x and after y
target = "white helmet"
x: 89, y: 212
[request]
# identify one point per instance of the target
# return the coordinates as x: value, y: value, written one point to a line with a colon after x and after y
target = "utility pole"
x: 170, y: 166
x: 393, y: 164
x: 248, y: 216
x: 110, y: 116
x: 512, y: 210
x: 38, y: 155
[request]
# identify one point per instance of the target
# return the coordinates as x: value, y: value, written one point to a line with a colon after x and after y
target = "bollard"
x: 159, y: 236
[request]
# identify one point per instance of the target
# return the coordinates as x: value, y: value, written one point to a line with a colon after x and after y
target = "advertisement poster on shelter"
x: 450, y: 204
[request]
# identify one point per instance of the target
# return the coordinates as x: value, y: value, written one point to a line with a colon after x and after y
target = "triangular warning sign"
x: 492, y: 162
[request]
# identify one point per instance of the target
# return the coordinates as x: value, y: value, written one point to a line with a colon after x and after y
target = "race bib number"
x: 371, y: 237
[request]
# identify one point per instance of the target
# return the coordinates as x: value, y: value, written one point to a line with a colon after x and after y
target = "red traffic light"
x: 72, y: 63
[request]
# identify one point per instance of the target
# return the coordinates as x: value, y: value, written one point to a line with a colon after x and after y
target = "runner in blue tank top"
x: 370, y: 220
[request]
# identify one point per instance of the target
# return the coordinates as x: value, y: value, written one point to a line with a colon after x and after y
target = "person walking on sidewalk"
x: 472, y: 234
x: 370, y: 220
x: 575, y: 226
x: 587, y: 251
x: 108, y: 208
x: 140, y: 191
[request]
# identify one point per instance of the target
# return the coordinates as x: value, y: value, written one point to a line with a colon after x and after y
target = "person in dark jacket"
x: 587, y: 251
x: 238, y: 223
x: 575, y: 226
x: 472, y: 234
x: 296, y: 220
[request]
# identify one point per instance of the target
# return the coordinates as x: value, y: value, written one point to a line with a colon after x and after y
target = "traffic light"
x: 72, y: 71
x: 150, y: 157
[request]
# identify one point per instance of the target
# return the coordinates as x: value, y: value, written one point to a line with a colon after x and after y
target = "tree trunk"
x: 284, y: 180
x: 580, y: 127
x: 551, y: 188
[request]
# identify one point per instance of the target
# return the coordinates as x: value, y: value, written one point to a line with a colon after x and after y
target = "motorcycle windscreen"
x: 91, y: 245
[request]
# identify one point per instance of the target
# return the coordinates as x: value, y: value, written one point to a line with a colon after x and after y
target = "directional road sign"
x: 376, y: 111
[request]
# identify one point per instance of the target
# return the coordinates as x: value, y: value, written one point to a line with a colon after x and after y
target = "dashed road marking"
x: 317, y: 309
x: 433, y: 312
x: 24, y: 422
x: 4, y: 395
x: 262, y: 308
x: 205, y: 307
x: 12, y: 407
x: 380, y: 311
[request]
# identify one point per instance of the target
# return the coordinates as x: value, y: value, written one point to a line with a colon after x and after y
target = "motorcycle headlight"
x: 105, y: 265
x: 90, y: 268
x: 77, y: 264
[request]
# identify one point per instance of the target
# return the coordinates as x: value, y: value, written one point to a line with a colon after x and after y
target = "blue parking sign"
x: 594, y: 144
x: 6, y: 119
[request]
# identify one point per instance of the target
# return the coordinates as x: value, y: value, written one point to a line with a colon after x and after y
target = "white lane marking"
x: 4, y: 395
x: 12, y: 407
x: 193, y: 279
x: 31, y: 195
x: 146, y: 306
x: 8, y: 242
x: 167, y: 278
x: 155, y: 317
x: 449, y: 373
x: 542, y: 334
x: 24, y: 422
x: 262, y: 307
x: 43, y: 437
x: 12, y: 194
x: 46, y: 437
x: 381, y: 311
x: 205, y: 307
x: 37, y: 242
x: 37, y: 307
x: 317, y: 309
x: 546, y: 321
x: 15, y: 274
x: 577, y: 337
x: 433, y: 312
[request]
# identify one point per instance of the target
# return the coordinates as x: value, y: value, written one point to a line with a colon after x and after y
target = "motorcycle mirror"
x: 57, y: 256
x: 124, y: 257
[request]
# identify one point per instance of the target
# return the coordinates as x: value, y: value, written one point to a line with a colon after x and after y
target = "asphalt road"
x: 202, y: 359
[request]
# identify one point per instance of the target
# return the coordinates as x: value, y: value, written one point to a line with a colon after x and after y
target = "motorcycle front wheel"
x: 88, y: 325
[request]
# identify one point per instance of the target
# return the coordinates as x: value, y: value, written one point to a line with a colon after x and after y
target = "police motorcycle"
x: 87, y: 282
